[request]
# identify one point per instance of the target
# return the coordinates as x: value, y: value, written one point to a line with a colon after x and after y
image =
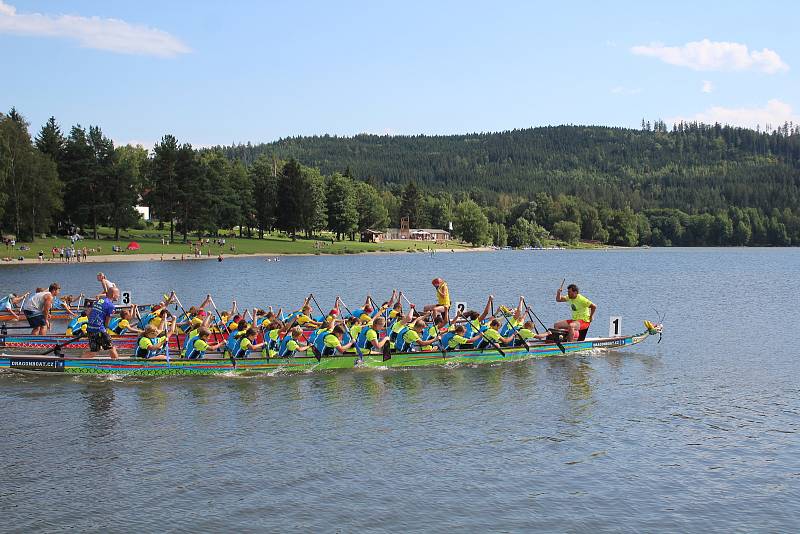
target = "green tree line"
x: 694, y: 185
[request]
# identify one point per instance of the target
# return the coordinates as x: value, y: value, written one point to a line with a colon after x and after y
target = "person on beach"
x: 12, y: 301
x: 97, y: 325
x: 37, y: 309
x: 442, y: 297
x: 583, y: 309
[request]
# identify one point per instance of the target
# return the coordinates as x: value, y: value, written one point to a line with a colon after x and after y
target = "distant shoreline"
x: 127, y: 257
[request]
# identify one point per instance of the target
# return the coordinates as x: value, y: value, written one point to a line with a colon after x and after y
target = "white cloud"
x: 708, y: 55
x: 93, y: 32
x: 774, y: 114
x: 707, y: 86
x: 621, y: 90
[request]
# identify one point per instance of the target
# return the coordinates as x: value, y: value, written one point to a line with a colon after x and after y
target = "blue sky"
x: 218, y: 73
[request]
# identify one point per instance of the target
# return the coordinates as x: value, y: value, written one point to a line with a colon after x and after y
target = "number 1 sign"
x: 615, y: 327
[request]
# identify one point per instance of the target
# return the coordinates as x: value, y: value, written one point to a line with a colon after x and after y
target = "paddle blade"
x: 317, y: 353
x: 387, y: 352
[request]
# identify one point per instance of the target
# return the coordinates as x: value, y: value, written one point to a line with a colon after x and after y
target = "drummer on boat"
x: 442, y: 305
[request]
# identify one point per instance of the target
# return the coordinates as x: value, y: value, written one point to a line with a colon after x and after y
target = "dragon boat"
x: 40, y: 364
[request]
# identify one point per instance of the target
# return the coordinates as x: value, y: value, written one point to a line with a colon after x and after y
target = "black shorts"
x: 35, y: 319
x: 99, y: 340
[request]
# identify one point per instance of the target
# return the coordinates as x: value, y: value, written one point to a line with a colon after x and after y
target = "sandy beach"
x: 132, y: 256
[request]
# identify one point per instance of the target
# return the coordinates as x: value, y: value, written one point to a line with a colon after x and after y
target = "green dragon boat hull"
x: 36, y: 364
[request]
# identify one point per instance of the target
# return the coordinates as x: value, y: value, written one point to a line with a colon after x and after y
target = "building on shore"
x: 418, y: 234
x: 371, y: 236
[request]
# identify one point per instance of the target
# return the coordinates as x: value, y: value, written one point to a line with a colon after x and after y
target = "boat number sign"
x: 461, y: 307
x: 615, y: 326
x: 125, y: 297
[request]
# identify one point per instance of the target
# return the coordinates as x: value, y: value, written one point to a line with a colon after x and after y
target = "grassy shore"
x: 151, y: 246
x: 150, y: 242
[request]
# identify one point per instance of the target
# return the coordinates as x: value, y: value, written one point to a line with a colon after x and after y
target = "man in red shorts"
x: 582, y: 309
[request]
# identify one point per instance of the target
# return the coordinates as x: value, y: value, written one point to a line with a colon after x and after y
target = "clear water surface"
x: 698, y: 433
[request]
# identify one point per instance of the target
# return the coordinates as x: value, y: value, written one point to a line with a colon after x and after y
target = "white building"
x: 144, y: 211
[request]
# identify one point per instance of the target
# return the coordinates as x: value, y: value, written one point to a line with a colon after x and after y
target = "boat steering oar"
x: 529, y: 311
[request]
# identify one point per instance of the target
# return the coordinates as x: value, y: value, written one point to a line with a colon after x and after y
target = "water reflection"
x: 99, y: 397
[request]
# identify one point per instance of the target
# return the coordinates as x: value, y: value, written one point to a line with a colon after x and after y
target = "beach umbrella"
x: 133, y: 245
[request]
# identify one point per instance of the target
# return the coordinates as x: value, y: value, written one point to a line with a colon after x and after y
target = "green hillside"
x: 693, y: 167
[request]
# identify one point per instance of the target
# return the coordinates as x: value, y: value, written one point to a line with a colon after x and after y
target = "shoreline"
x: 126, y: 257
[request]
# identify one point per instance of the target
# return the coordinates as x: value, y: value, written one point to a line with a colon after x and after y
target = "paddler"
x: 583, y: 309
x: 304, y: 317
x: 457, y: 340
x: 293, y: 345
x: 333, y: 342
x: 99, y: 319
x: 122, y: 325
x: 236, y: 333
x: 248, y: 343
x: 412, y: 338
x: 368, y: 339
x: 198, y: 346
x: 492, y: 334
x: 272, y: 338
x: 151, y: 345
x: 527, y: 333
x: 79, y: 323
x: 12, y: 301
x: 194, y: 331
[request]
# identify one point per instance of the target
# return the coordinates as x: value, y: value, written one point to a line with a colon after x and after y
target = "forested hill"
x: 694, y: 167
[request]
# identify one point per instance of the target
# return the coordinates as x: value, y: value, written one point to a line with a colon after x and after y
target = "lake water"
x: 697, y: 433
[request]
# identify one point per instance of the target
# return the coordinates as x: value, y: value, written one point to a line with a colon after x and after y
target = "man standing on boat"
x: 37, y: 309
x: 583, y: 309
x: 99, y: 319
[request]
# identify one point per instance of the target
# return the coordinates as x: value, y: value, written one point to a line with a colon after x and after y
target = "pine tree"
x: 290, y: 198
x: 341, y: 205
x: 265, y: 193
x: 411, y: 204
x: 164, y: 181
